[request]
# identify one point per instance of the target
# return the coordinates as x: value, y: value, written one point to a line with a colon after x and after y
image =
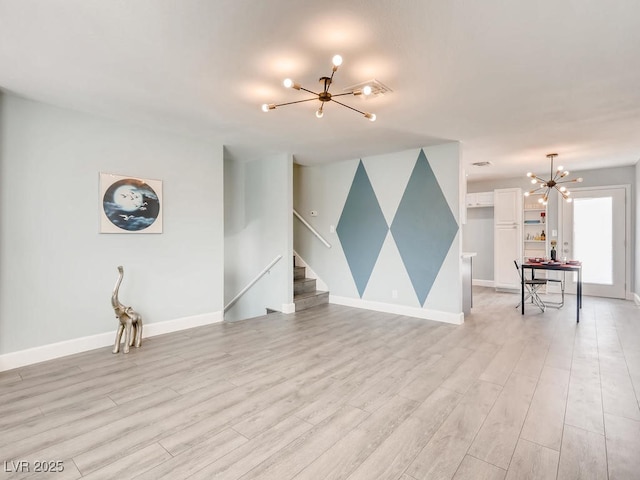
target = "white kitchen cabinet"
x: 507, y: 210
x: 479, y: 199
x: 507, y: 206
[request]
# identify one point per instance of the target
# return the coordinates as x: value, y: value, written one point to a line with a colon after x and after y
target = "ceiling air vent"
x: 377, y: 88
x: 482, y: 164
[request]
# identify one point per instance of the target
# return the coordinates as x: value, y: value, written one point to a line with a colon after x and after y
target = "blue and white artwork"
x: 130, y: 205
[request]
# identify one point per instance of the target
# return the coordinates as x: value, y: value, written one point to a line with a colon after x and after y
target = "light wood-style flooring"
x: 341, y: 393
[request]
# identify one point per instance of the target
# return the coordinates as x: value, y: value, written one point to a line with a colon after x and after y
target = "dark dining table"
x: 557, y: 267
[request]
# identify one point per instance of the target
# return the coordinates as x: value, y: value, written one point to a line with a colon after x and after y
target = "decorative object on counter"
x: 543, y: 236
x: 543, y: 215
x: 129, y: 320
x: 553, y: 182
x: 553, y: 250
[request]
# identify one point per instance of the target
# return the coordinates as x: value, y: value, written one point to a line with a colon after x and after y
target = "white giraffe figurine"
x: 130, y: 321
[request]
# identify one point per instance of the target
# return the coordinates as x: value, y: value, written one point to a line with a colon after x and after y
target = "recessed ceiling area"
x: 512, y: 81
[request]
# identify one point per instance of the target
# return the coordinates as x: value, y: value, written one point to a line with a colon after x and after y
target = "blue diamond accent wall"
x: 361, y: 229
x: 423, y: 228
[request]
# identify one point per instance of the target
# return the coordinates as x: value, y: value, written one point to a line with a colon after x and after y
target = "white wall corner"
x: 52, y: 351
x: 636, y: 299
x: 415, y: 312
x: 288, y: 308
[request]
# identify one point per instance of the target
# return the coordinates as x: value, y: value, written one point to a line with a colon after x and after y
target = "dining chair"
x: 559, y: 304
x: 532, y: 285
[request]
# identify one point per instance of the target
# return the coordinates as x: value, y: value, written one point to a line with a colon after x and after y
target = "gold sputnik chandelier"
x: 555, y: 181
x: 324, y: 96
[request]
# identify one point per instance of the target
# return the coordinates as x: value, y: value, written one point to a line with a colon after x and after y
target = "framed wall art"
x: 130, y: 204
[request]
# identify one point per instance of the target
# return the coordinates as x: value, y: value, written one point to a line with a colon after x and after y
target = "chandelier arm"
x: 345, y: 105
x: 333, y: 72
x: 308, y: 91
x: 297, y: 101
x: 341, y: 94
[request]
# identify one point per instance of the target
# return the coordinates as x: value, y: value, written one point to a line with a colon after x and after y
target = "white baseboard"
x: 438, y: 316
x: 43, y: 353
x: 288, y: 308
x: 482, y: 283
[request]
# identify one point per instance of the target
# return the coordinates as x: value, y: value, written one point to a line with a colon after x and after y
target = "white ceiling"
x: 512, y: 81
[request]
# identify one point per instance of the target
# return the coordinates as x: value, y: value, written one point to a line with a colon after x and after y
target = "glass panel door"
x: 593, y: 232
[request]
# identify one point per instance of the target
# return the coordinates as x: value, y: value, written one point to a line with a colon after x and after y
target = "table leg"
x: 522, y: 289
x: 580, y: 278
x: 579, y: 296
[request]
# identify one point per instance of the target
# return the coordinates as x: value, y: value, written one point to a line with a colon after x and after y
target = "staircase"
x: 305, y: 294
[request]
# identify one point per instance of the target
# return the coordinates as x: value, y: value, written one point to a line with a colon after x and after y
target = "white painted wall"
x: 56, y: 270
x: 258, y: 228
x: 325, y: 188
x: 636, y: 260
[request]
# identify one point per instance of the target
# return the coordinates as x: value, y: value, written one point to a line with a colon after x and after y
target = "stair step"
x: 304, y: 285
x: 310, y: 299
x: 299, y: 272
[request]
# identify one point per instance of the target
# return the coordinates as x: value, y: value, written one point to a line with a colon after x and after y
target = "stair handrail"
x: 252, y: 283
x: 313, y: 230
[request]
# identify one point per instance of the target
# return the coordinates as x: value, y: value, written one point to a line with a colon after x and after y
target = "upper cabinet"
x: 507, y: 208
x: 479, y: 199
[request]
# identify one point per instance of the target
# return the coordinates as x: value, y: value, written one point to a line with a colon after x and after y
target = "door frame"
x: 627, y: 222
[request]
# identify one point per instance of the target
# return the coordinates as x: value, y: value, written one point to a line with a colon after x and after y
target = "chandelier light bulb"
x: 367, y: 90
x: 370, y: 116
x: 560, y: 168
x: 265, y: 107
x: 579, y: 179
x: 529, y: 174
x: 533, y: 180
x: 563, y: 189
x: 526, y: 194
x: 336, y: 60
x: 319, y: 113
x: 288, y: 83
